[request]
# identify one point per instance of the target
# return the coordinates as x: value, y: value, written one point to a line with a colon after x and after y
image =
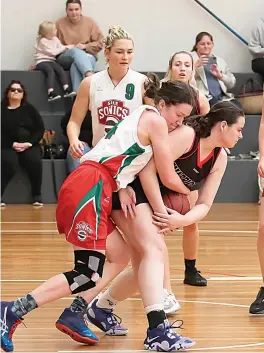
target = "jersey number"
x: 130, y: 91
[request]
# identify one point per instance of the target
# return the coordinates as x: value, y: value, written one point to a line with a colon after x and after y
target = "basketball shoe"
x: 75, y: 325
x: 257, y: 307
x: 170, y: 303
x: 106, y: 320
x: 8, y: 324
x: 164, y: 339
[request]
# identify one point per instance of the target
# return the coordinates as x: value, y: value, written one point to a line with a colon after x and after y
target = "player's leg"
x: 257, y: 307
x: 118, y: 256
x: 190, y: 250
x: 150, y: 245
x: 73, y: 209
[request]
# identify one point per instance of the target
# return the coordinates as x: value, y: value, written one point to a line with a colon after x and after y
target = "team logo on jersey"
x: 83, y: 230
x: 111, y: 112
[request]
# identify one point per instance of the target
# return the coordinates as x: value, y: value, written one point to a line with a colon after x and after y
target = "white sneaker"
x: 171, y: 304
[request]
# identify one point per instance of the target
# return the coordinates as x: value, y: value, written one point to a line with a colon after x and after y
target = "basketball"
x: 176, y: 201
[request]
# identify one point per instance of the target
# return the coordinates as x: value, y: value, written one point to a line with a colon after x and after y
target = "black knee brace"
x: 88, y: 269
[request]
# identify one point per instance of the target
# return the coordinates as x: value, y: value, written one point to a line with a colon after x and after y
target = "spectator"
x: 86, y: 137
x: 256, y: 47
x: 212, y: 75
x: 21, y: 131
x: 47, y: 47
x: 181, y: 68
x: 82, y: 32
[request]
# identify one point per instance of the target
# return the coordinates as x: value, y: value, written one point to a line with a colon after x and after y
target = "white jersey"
x: 109, y: 103
x: 120, y: 151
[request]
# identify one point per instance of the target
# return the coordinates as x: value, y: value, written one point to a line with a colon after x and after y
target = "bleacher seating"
x: 239, y: 183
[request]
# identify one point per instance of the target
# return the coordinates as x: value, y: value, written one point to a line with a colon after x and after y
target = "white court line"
x: 227, y: 278
x: 203, y: 222
x: 191, y: 349
x: 7, y: 231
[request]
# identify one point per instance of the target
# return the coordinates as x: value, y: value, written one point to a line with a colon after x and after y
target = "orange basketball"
x: 176, y: 201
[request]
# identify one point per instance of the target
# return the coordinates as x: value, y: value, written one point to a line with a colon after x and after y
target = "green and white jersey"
x: 109, y: 103
x: 120, y: 150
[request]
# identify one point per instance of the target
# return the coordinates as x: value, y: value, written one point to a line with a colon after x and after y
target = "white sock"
x: 106, y: 301
x: 154, y: 307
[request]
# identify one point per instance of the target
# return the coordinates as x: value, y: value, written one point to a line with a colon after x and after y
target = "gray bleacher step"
x: 250, y: 136
x: 240, y: 182
x: 18, y: 190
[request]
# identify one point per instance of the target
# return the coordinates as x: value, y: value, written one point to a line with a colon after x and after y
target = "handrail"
x: 222, y: 22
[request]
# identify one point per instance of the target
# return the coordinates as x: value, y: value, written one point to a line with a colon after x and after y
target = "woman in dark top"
x: 22, y: 129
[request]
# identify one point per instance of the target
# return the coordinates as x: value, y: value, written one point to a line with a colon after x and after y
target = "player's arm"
x: 79, y: 110
x: 180, y: 141
x: 150, y: 184
x: 261, y: 143
x: 205, y: 200
x: 159, y: 138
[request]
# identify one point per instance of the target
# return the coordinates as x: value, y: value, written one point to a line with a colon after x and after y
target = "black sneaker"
x: 52, y: 96
x: 37, y: 201
x: 195, y: 279
x: 257, y: 307
x: 68, y: 93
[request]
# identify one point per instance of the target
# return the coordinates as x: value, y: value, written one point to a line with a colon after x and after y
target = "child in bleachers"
x: 48, y: 46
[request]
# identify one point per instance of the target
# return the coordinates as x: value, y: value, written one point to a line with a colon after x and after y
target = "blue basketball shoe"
x: 75, y: 325
x: 8, y: 324
x: 164, y: 339
x: 106, y: 320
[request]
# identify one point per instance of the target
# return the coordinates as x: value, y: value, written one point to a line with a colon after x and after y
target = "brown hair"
x: 5, y: 99
x: 199, y: 38
x: 73, y: 2
x: 221, y: 111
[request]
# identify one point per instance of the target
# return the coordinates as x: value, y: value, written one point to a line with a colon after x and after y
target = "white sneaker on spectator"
x: 68, y: 93
x: 171, y: 304
x: 3, y: 204
x: 52, y: 96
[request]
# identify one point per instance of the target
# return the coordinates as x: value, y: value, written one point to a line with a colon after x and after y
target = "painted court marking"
x: 191, y: 349
x: 202, y: 222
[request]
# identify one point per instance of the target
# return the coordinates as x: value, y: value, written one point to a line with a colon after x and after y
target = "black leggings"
x: 258, y: 66
x: 30, y: 160
x: 50, y: 68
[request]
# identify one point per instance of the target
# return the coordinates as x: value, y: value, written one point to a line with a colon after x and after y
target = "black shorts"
x: 140, y: 195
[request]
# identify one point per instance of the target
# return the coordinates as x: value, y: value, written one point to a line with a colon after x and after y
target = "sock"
x: 190, y: 265
x: 106, y: 301
x: 24, y: 305
x: 79, y: 304
x: 155, y: 318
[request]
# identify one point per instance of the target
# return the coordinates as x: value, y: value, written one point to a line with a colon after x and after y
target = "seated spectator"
x: 256, y: 47
x: 48, y: 46
x: 86, y: 137
x: 181, y: 68
x: 82, y: 32
x: 212, y: 75
x: 22, y: 129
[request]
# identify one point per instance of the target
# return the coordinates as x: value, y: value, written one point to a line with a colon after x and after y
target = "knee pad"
x: 88, y: 268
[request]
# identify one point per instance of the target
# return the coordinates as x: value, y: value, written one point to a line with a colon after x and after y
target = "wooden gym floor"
x: 215, y: 316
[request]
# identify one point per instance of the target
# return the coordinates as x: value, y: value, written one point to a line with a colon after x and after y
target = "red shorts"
x: 263, y: 193
x: 84, y: 206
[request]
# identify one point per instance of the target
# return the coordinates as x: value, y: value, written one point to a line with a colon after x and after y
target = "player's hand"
x: 80, y: 46
x: 261, y: 167
x: 76, y: 149
x: 127, y: 199
x: 168, y: 222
